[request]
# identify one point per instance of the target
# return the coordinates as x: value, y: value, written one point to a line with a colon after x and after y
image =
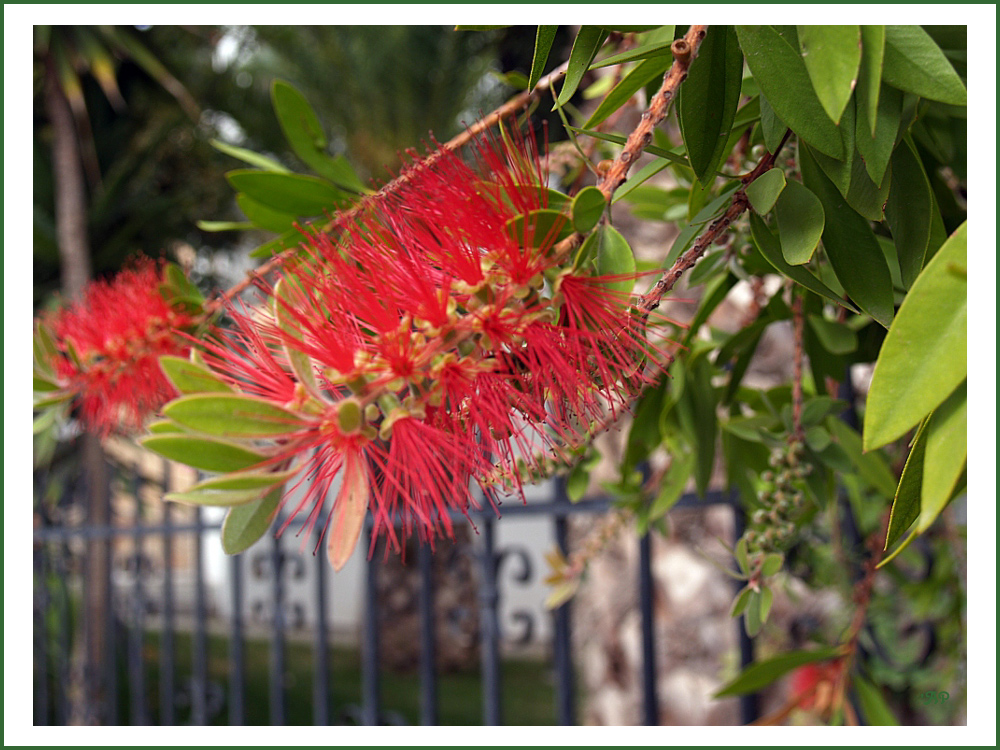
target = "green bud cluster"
x: 772, y: 523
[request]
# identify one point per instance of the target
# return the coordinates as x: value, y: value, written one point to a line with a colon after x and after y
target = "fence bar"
x: 650, y: 701
x: 562, y: 639
x: 428, y: 655
x: 489, y: 624
x: 370, y: 694
x: 277, y: 662
x: 199, y: 681
x: 750, y: 702
x: 321, y: 650
x: 110, y: 686
x: 167, y: 717
x: 136, y: 673
x: 62, y: 652
x: 236, y: 661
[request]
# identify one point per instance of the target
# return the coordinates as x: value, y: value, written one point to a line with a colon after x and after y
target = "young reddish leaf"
x: 923, y: 358
x: 245, y: 524
x: 207, y: 454
x: 763, y: 673
x: 232, y: 415
x: 348, y: 512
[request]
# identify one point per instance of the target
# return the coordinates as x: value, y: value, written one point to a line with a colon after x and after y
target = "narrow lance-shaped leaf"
x: 625, y: 89
x: 914, y: 63
x: 245, y: 524
x: 800, y: 222
x: 908, y: 211
x: 763, y: 673
x: 588, y: 41
x: 906, y: 503
x: 205, y: 453
x: 543, y: 43
x: 870, y: 74
x: 832, y: 55
x: 348, y: 512
x: 190, y: 377
x: 232, y: 415
x: 923, y: 358
x: 296, y: 194
x: 945, y: 458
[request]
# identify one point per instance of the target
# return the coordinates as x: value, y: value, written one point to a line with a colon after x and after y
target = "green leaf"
x: 543, y: 43
x: 615, y: 258
x: 245, y: 524
x: 224, y: 226
x: 305, y: 135
x: 702, y: 400
x: 906, y: 503
x: 923, y: 358
x: 945, y: 457
x: 291, y: 238
x: 871, y: 466
x: 769, y: 247
x: 541, y: 227
x: 763, y: 673
x: 781, y: 74
x: 634, y: 80
x: 836, y: 338
x: 264, y: 217
x: 588, y: 207
x: 674, y: 481
x: 249, y: 480
x: 764, y: 191
x: 676, y: 158
x: 165, y: 427
x: 772, y: 564
x: 588, y: 41
x: 752, y: 619
x: 740, y: 553
x: 708, y: 99
x: 207, y: 454
x: 771, y: 126
x: 250, y: 157
x: 870, y: 75
x: 914, y: 63
x: 800, y: 223
x: 215, y: 498
x: 655, y: 43
x: 741, y: 602
x: 873, y: 706
x: 766, y: 600
x: 876, y: 150
x: 636, y: 180
x: 189, y: 377
x: 232, y: 415
x: 851, y: 246
x: 284, y: 302
x: 296, y: 194
x: 832, y: 56
x: 863, y: 195
x: 908, y: 211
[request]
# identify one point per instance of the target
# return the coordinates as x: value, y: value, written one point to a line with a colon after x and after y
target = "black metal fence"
x: 153, y: 664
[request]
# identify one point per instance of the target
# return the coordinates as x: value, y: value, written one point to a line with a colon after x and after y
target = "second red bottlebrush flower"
x: 438, y: 339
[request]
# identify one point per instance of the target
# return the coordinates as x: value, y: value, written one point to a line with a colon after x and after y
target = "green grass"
x: 526, y: 686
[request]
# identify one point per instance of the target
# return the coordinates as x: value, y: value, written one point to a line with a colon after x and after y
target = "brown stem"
x: 684, y: 51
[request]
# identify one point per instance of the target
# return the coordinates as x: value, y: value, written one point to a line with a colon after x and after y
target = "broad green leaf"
x: 189, y: 377
x: 770, y: 248
x: 772, y: 564
x: 870, y: 75
x: 851, y: 246
x: 585, y: 46
x: 708, y: 99
x: 923, y: 358
x: 543, y: 43
x: 771, y: 126
x: 232, y: 415
x: 836, y: 338
x: 914, y: 63
x: 763, y: 673
x: 348, y: 515
x: 781, y: 74
x: 741, y: 602
x: 766, y: 600
x: 615, y: 259
x: 250, y: 157
x: 872, y: 466
x: 945, y: 457
x: 541, y: 227
x: 764, y: 191
x: 832, y: 55
x: 207, y: 454
x: 873, y: 706
x: 876, y: 150
x: 752, y: 619
x: 297, y: 194
x: 634, y: 80
x: 908, y: 211
x: 245, y: 524
x: 800, y: 222
x: 863, y: 195
x: 588, y: 207
x: 215, y: 498
x: 906, y: 503
x: 263, y: 216
x: 305, y: 135
x: 655, y: 43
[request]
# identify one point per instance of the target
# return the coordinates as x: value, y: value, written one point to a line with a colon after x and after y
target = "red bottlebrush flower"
x: 446, y: 347
x: 112, y: 339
